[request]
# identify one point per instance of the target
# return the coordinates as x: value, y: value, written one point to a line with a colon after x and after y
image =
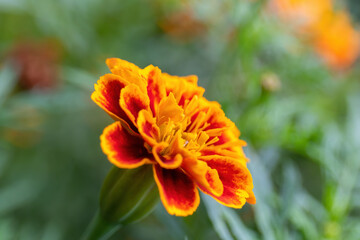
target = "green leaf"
x: 226, y: 222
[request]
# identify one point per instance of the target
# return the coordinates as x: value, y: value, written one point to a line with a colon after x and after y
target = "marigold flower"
x: 338, y: 52
x: 322, y: 25
x: 304, y: 13
x: 165, y: 121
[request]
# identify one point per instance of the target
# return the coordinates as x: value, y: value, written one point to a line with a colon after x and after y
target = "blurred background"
x: 285, y: 71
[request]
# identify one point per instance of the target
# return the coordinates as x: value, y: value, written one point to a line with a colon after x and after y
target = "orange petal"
x: 132, y: 101
x: 107, y: 95
x: 251, y: 199
x: 229, y: 140
x: 236, y: 179
x: 209, y: 152
x: 177, y: 145
x: 147, y: 127
x: 183, y: 88
x: 193, y: 79
x: 123, y: 149
x: 129, y: 71
x: 178, y: 192
x: 155, y: 89
x: 203, y: 175
x: 216, y: 118
x: 166, y: 160
x: 209, y: 117
x: 117, y: 64
x: 169, y: 110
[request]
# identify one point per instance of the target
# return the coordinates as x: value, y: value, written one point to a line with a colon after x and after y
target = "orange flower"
x: 336, y: 41
x: 330, y: 32
x: 305, y: 13
x: 165, y: 121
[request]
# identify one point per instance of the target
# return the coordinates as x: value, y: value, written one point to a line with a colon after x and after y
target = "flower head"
x: 165, y: 121
x: 322, y: 24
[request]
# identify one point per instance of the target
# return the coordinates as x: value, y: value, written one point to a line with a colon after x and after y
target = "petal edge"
x: 123, y: 149
x: 178, y: 192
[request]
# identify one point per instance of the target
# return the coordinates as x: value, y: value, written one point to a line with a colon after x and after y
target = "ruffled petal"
x: 168, y: 161
x: 212, y: 151
x: 147, y: 127
x: 230, y: 135
x: 209, y: 117
x: 203, y: 175
x: 178, y: 192
x: 251, y: 199
x: 236, y: 179
x: 155, y: 89
x: 132, y: 101
x: 216, y: 119
x: 230, y: 141
x: 129, y: 71
x: 183, y: 88
x: 116, y: 64
x: 124, y: 149
x: 107, y: 95
x: 169, y: 110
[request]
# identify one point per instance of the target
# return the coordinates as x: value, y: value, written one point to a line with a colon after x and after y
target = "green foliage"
x: 303, y: 135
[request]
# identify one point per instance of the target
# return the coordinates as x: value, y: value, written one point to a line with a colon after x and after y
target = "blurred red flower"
x: 36, y: 63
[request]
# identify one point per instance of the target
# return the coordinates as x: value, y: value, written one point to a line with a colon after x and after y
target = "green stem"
x: 99, y: 229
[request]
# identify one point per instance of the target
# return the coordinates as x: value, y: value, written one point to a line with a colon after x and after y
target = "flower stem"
x: 99, y: 229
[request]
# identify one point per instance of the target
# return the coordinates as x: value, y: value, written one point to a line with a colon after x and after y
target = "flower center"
x: 187, y: 132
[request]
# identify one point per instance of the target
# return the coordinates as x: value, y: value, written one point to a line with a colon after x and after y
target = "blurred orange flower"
x: 331, y: 33
x: 165, y: 121
x: 304, y: 13
x: 336, y: 41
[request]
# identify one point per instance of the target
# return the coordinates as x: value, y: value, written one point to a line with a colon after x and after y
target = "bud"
x: 127, y: 195
x: 270, y: 82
